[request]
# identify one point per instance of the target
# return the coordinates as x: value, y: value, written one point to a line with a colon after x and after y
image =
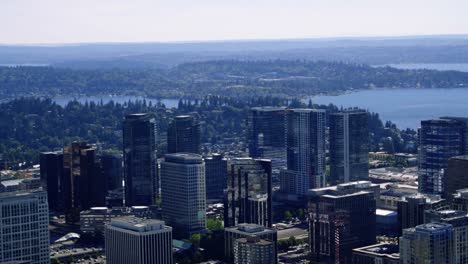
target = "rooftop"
x: 433, y: 227
x: 137, y: 224
x: 184, y: 158
x: 249, y: 229
x: 383, y: 212
x: 268, y: 109
x: 382, y: 250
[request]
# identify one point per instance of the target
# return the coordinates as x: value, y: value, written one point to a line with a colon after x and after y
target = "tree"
x: 287, y: 215
x: 214, y: 224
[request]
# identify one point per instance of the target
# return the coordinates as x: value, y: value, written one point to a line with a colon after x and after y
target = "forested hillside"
x: 239, y: 79
x: 30, y: 125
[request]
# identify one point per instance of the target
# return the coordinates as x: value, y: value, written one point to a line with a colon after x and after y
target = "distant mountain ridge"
x: 376, y: 50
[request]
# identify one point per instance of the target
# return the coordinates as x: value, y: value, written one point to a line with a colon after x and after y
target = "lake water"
x: 63, y: 101
x: 404, y: 107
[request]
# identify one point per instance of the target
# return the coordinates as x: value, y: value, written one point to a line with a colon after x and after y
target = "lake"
x: 404, y: 107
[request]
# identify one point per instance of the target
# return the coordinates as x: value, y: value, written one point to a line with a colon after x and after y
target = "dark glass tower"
x: 266, y: 135
x: 84, y: 184
x: 456, y: 176
x: 215, y: 176
x: 340, y: 220
x: 52, y: 178
x: 112, y: 170
x: 349, y: 146
x: 183, y: 135
x: 439, y: 140
x: 305, y: 148
x: 248, y: 196
x: 140, y: 168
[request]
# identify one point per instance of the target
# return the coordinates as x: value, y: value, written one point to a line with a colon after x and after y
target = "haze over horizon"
x: 120, y: 21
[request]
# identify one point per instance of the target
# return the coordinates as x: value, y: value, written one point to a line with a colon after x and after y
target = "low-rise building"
x: 231, y: 234
x: 93, y: 221
x: 385, y: 253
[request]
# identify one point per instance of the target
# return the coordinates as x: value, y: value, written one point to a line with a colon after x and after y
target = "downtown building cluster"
x: 285, y: 144
x: 305, y: 158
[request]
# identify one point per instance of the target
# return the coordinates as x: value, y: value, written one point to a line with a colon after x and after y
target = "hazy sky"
x: 67, y: 21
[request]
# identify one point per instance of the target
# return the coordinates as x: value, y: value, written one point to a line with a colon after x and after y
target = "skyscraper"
x: 456, y: 175
x: 215, y: 176
x: 349, y: 146
x: 305, y: 148
x: 248, y: 194
x: 84, y: 184
x: 112, y: 170
x: 459, y: 222
x: 266, y: 129
x: 138, y: 240
x: 411, y: 211
x: 439, y: 140
x: 140, y: 168
x: 231, y: 234
x: 427, y: 243
x: 52, y: 178
x: 183, y: 193
x: 25, y: 235
x: 183, y: 135
x: 340, y: 219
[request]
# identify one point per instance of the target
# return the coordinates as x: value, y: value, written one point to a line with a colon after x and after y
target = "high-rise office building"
x: 183, y: 193
x: 459, y: 222
x: 51, y: 166
x: 456, y: 176
x: 266, y: 127
x: 140, y: 161
x: 25, y: 235
x: 439, y: 140
x: 138, y: 240
x: 427, y: 243
x: 340, y: 219
x: 231, y: 234
x: 248, y: 194
x: 254, y: 250
x: 215, y: 176
x: 183, y: 135
x: 84, y: 184
x: 112, y: 170
x: 305, y: 148
x: 411, y: 211
x: 349, y: 146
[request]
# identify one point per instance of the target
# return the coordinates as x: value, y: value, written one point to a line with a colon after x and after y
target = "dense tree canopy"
x: 240, y: 79
x: 31, y: 125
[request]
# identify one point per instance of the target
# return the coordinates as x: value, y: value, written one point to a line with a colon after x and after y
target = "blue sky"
x: 67, y: 21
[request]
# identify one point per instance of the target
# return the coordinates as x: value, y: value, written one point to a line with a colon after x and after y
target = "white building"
x: 138, y: 241
x: 183, y: 193
x: 24, y: 218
